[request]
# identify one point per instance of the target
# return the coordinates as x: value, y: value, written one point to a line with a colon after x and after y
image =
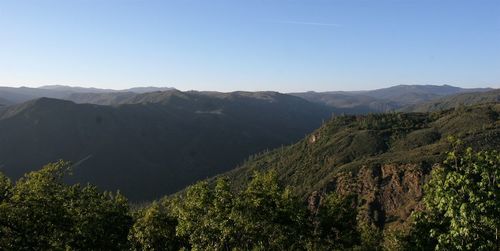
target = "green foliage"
x: 263, y: 216
x: 43, y: 212
x: 391, y: 121
x: 462, y: 204
x: 195, y: 225
x: 40, y: 211
x: 154, y: 229
x: 270, y: 216
x: 371, y: 237
x: 5, y: 187
x: 336, y: 227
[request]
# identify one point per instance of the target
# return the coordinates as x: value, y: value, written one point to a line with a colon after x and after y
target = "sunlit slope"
x: 383, y: 158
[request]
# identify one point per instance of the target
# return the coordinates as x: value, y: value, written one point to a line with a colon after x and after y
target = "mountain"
x: 348, y: 102
x: 354, y: 102
x: 385, y: 99
x: 22, y: 94
x: 74, y: 89
x: 110, y: 98
x: 411, y: 94
x: 4, y: 102
x: 148, y: 89
x: 383, y: 158
x: 455, y: 101
x: 153, y: 144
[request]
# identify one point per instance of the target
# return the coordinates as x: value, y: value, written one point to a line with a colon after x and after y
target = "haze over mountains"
x: 148, y: 142
x: 353, y: 101
x: 12, y: 95
x: 463, y: 99
x: 385, y: 99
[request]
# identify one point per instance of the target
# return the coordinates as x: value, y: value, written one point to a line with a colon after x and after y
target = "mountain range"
x: 385, y: 99
x: 453, y: 101
x: 148, y: 142
x: 13, y: 95
x: 379, y: 100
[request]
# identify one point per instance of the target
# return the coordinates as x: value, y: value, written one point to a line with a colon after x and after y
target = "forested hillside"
x: 156, y: 143
x: 383, y: 158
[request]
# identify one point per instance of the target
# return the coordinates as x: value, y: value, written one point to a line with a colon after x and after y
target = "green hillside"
x: 384, y: 158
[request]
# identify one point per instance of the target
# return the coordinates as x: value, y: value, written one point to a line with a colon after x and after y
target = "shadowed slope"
x: 156, y: 143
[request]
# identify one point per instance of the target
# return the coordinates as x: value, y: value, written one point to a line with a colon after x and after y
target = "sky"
x: 228, y: 45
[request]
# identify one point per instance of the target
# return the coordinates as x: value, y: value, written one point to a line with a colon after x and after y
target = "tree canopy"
x: 462, y: 206
x: 41, y: 212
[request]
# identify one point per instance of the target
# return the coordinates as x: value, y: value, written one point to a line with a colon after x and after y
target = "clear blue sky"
x: 250, y: 44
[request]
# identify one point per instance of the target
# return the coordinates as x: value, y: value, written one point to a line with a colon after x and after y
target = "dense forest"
x: 39, y: 211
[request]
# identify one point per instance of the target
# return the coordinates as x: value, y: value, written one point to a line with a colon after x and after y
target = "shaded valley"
x: 156, y: 143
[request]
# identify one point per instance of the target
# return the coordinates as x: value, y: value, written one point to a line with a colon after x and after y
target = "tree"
x: 262, y: 216
x: 337, y: 224
x: 269, y: 216
x: 5, y: 187
x: 154, y: 229
x: 43, y: 212
x: 462, y: 204
x: 191, y: 212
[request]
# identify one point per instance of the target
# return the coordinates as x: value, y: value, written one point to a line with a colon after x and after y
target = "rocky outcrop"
x: 387, y: 194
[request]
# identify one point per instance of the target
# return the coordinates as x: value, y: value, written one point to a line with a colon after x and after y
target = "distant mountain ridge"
x: 454, y: 101
x: 385, y: 99
x: 402, y: 90
x: 77, y: 89
x: 379, y: 100
x: 15, y: 95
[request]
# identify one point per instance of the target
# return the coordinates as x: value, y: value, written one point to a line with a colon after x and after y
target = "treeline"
x: 41, y: 212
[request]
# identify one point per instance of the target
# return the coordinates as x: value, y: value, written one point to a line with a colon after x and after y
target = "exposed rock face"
x: 314, y: 201
x: 387, y: 194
